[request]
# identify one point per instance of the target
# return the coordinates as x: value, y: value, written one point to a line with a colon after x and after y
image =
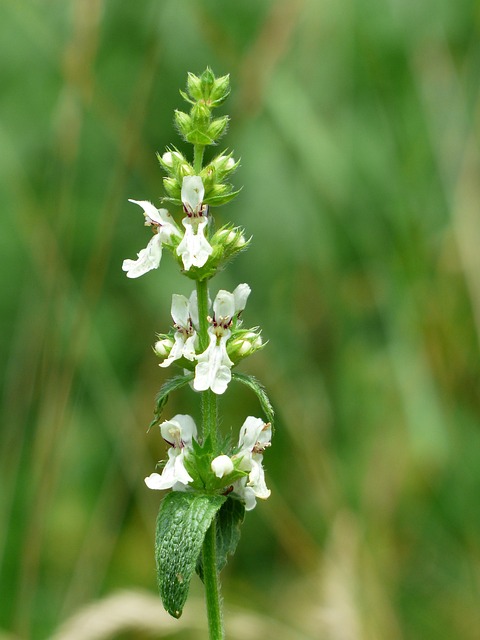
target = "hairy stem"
x: 198, y: 158
x: 209, y: 420
x: 212, y: 584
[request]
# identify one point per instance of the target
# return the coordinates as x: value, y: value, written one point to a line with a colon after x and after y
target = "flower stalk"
x: 212, y: 481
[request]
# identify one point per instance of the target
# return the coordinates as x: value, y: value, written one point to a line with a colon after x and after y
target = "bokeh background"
x: 357, y: 122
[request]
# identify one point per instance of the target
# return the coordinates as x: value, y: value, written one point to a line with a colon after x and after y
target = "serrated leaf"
x: 182, y: 523
x: 229, y: 520
x: 162, y: 396
x: 259, y: 390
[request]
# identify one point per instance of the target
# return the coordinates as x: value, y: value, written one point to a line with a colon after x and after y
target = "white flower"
x: 193, y: 192
x: 194, y: 248
x: 254, y: 438
x: 164, y: 227
x: 222, y: 466
x: 185, y: 317
x: 213, y: 370
x: 178, y: 432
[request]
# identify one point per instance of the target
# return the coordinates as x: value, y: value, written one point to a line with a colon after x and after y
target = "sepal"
x: 218, y: 169
x: 183, y: 122
x: 218, y: 128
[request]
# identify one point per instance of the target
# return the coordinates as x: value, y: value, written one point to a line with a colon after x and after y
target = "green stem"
x: 209, y: 415
x: 212, y: 584
x: 198, y: 158
x: 202, y: 302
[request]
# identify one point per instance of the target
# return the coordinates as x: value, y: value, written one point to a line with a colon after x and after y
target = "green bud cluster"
x: 204, y: 93
x: 199, y: 127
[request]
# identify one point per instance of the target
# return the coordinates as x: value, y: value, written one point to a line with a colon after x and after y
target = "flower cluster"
x: 240, y: 473
x: 228, y: 343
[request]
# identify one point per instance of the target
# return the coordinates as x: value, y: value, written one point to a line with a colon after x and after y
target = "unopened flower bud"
x: 248, y: 346
x: 200, y: 115
x: 172, y: 187
x: 217, y: 127
x: 175, y: 164
x: 222, y: 466
x: 220, y: 90
x: 163, y: 347
x: 194, y: 86
x: 226, y: 236
x: 244, y: 344
x: 207, y: 80
x: 183, y: 122
x: 171, y: 158
x: 222, y: 166
x: 167, y: 159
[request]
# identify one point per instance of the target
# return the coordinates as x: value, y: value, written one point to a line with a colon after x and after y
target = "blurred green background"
x: 357, y: 122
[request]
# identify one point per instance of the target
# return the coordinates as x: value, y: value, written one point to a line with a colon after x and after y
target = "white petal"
x: 194, y: 248
x: 250, y: 432
x: 265, y: 436
x: 246, y: 493
x: 167, y: 226
x: 193, y: 308
x: 213, y: 368
x: 156, y: 481
x: 167, y: 478
x: 256, y: 479
x: 249, y: 497
x: 181, y: 427
x: 201, y: 382
x: 148, y: 259
x: 176, y: 351
x: 189, y: 348
x: 241, y: 294
x: 180, y: 473
x: 150, y: 211
x: 224, y: 305
x: 180, y: 310
x: 222, y: 466
x: 220, y: 383
x: 192, y: 193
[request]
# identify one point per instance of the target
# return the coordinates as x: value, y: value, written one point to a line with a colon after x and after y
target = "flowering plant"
x: 213, y: 482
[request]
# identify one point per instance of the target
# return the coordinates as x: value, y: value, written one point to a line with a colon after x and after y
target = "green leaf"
x: 198, y: 464
x: 229, y: 520
x: 162, y: 396
x: 182, y: 523
x: 259, y: 390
